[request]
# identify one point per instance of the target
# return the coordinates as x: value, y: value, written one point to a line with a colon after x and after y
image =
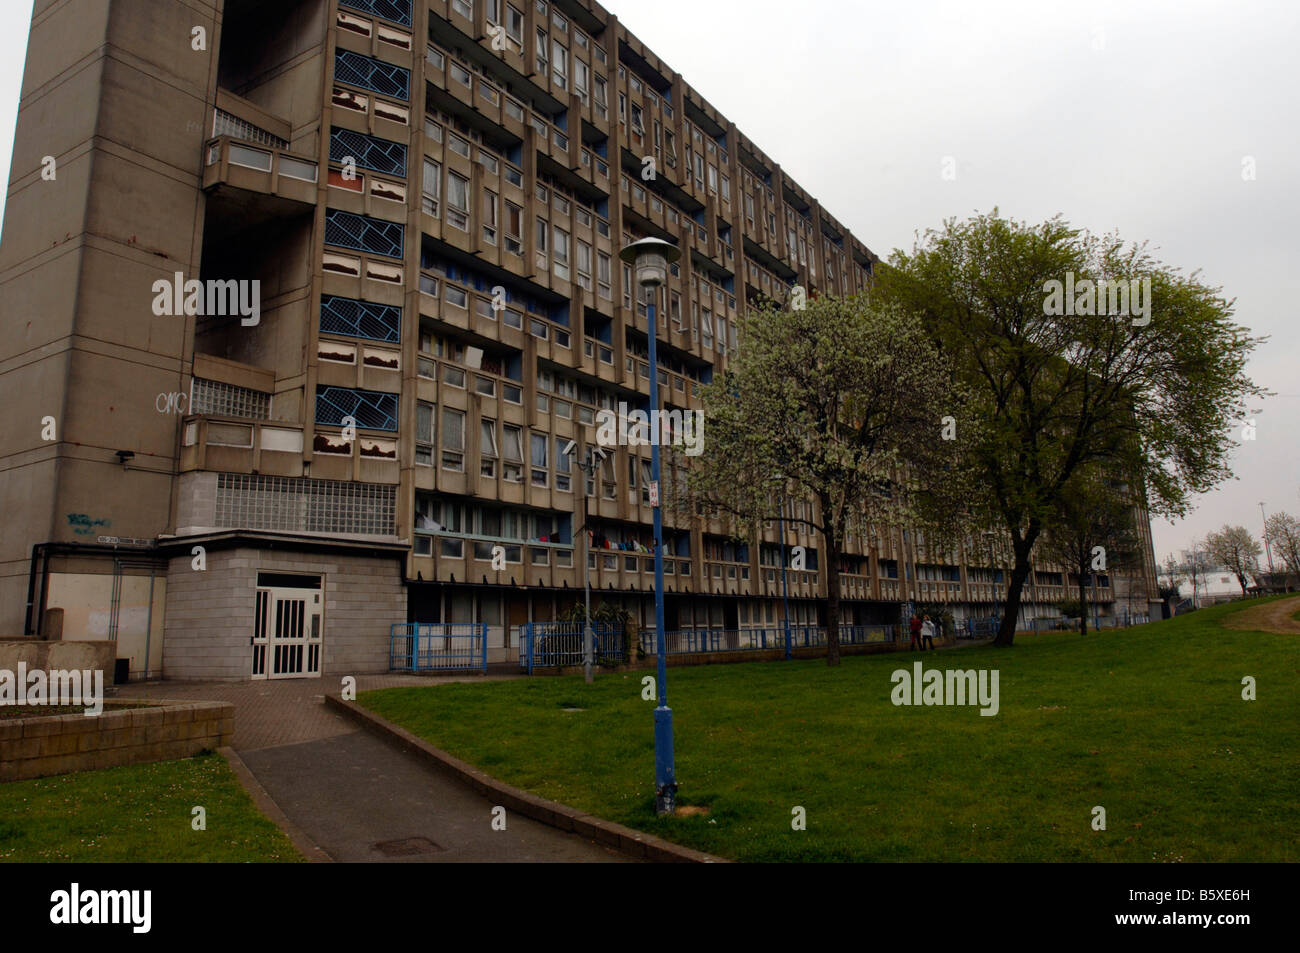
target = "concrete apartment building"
x: 431, y: 197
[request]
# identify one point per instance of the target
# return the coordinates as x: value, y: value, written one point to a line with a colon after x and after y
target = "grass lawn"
x: 1148, y: 723
x: 138, y: 813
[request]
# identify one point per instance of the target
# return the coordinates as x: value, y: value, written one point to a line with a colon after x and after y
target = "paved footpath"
x: 359, y: 798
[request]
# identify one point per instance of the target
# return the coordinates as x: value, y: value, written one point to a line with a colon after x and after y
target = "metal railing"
x: 987, y: 627
x: 692, y: 641
x: 557, y: 644
x: 438, y: 647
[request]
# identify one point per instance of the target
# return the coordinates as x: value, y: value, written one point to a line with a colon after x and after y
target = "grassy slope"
x: 1148, y: 723
x: 138, y: 813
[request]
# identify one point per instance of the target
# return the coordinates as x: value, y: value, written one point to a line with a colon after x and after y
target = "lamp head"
x: 650, y: 258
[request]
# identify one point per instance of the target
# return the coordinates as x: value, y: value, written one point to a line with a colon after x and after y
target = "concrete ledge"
x: 66, y: 655
x: 552, y: 813
x: 59, y: 744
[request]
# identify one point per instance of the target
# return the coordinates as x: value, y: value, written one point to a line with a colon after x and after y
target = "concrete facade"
x: 431, y: 198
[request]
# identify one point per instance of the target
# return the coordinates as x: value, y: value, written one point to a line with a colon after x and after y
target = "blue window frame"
x: 399, y: 11
x: 363, y: 234
x: 376, y: 75
x: 369, y: 152
x: 361, y: 319
x: 370, y: 409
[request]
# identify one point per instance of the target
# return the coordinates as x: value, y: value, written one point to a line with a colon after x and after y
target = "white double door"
x: 287, y: 633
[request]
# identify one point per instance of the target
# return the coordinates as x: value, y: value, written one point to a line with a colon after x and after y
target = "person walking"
x: 927, y: 634
x: 916, y: 633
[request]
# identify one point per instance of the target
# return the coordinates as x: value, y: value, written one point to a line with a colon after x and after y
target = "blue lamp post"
x: 650, y: 259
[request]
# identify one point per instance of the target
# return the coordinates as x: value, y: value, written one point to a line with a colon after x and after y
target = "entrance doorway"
x: 287, y: 626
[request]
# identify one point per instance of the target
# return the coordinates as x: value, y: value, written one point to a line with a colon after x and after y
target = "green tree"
x: 1094, y: 532
x: 1057, y: 392
x: 1234, y: 548
x: 840, y: 402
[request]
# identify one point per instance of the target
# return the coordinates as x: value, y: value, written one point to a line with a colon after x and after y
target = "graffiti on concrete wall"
x: 84, y: 525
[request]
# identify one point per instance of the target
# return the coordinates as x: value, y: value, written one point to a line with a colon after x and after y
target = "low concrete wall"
x: 59, y: 744
x: 65, y: 656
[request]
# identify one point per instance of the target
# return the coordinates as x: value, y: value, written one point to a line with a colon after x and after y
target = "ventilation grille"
x: 383, y: 78
x: 305, y: 506
x: 224, y: 124
x: 215, y: 399
x: 363, y: 234
x: 360, y: 319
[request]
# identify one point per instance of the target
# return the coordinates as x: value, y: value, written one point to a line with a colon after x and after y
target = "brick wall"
x: 209, y: 615
x: 59, y: 744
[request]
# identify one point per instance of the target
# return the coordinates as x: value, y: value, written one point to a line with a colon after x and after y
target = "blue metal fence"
x: 438, y: 647
x: 556, y: 644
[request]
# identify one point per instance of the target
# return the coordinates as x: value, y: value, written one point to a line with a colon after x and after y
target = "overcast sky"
x: 1131, y: 116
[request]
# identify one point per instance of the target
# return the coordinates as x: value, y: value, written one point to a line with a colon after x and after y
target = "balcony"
x: 231, y: 163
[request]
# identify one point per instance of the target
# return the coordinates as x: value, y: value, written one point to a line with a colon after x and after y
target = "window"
x: 543, y: 230
x: 726, y: 188
x: 581, y: 78
x: 464, y: 7
x: 489, y: 216
x: 561, y: 57
x: 638, y: 123
x: 433, y: 130
x: 459, y: 73
x: 602, y: 97
x: 488, y: 448
x: 561, y: 253
x: 584, y: 264
x: 458, y: 201
x: 458, y: 145
x: 514, y: 24
x: 543, y: 43
x: 514, y: 229
x: 603, y: 275
x: 540, y: 471
x: 432, y: 187
x: 453, y: 439
x: 453, y: 377
x: 456, y: 296
x: 435, y: 57
x: 493, y: 12
x: 512, y: 452
x: 713, y: 179
x: 424, y: 434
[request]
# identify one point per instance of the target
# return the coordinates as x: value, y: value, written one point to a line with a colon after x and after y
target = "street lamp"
x: 651, y: 258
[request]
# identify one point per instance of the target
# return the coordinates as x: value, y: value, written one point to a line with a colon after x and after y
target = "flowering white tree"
x: 840, y: 402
